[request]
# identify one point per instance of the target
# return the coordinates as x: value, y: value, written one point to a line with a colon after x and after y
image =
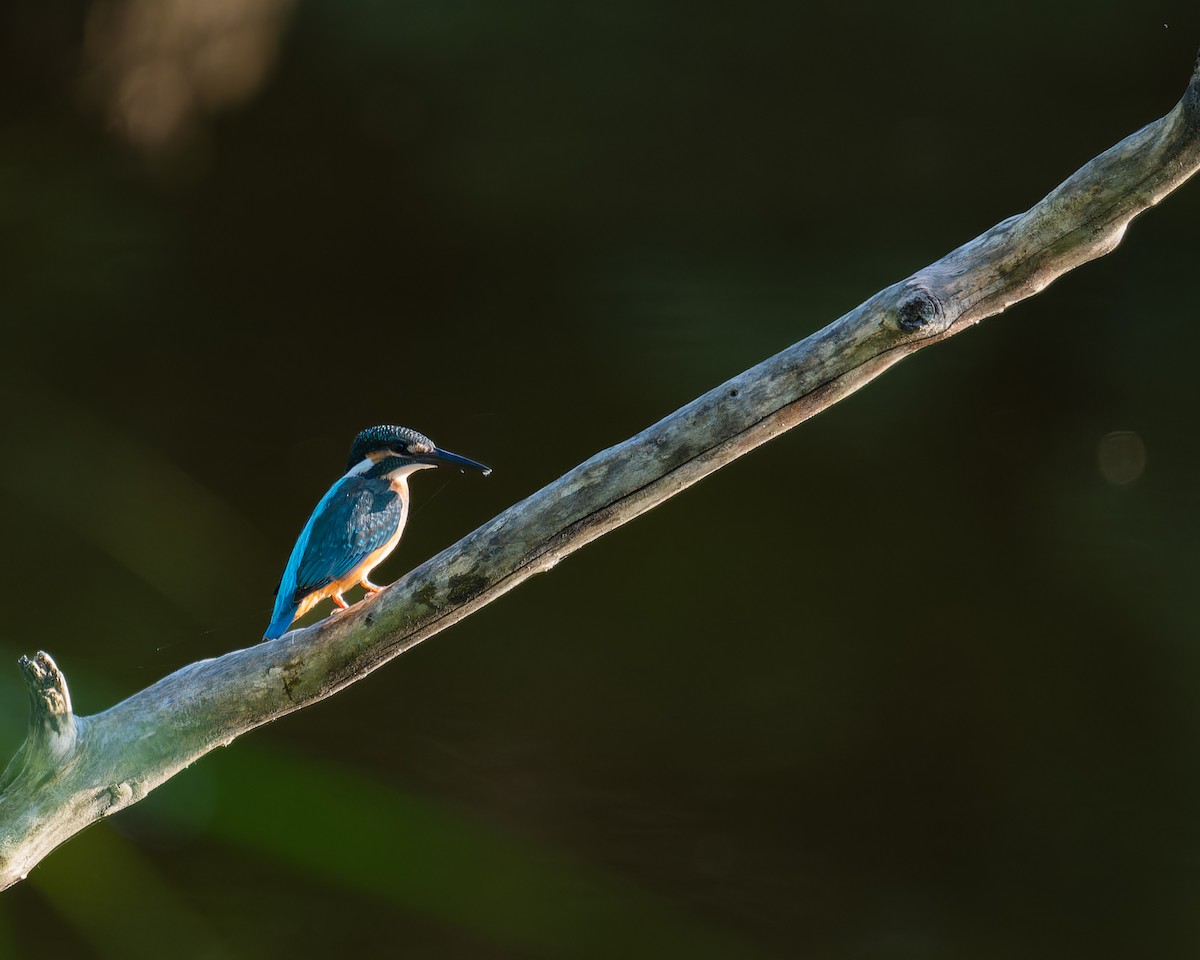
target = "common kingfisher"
x: 357, y: 523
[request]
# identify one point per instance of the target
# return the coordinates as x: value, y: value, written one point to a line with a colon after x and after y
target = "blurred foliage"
x: 917, y: 680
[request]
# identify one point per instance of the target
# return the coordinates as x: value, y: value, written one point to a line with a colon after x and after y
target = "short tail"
x: 283, y: 620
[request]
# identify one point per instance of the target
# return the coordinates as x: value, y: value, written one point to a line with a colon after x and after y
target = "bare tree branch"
x: 72, y: 771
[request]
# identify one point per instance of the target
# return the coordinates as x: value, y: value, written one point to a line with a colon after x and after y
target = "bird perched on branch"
x: 358, y: 522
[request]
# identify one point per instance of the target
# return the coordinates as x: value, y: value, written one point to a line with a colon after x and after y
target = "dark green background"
x: 912, y: 681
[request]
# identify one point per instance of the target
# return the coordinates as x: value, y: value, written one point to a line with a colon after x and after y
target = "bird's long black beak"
x: 440, y: 457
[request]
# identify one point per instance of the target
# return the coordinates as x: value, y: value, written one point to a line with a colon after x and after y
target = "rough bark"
x: 72, y: 771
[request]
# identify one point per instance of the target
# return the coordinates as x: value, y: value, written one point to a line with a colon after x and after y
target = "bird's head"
x: 398, y: 447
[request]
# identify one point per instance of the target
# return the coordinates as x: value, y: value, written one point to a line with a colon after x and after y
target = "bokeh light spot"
x: 1121, y: 457
x: 158, y: 69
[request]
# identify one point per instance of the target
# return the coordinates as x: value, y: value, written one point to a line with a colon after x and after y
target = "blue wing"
x: 355, y: 518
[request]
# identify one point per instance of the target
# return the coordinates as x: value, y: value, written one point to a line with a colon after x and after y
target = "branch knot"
x: 919, y: 308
